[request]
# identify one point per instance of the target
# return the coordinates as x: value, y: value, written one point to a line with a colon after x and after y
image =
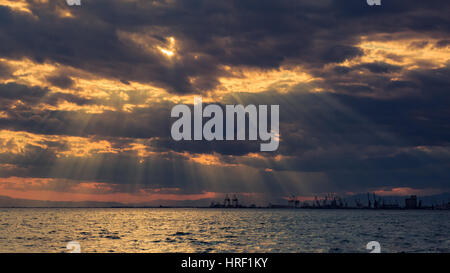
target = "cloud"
x: 86, y: 93
x: 11, y: 92
x: 114, y: 39
x: 62, y: 81
x: 5, y: 71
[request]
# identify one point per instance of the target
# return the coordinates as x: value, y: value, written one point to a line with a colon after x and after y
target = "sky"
x: 86, y: 93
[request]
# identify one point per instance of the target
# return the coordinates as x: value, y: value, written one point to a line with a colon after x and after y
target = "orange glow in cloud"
x: 24, y: 6
x: 70, y: 106
x: 17, y: 142
x: 411, y: 53
x: 37, y: 189
x: 258, y: 80
x: 166, y: 52
x: 86, y: 85
x: 64, y: 13
x: 28, y: 72
x: 150, y: 45
x: 16, y: 5
x: 125, y: 198
x: 206, y: 159
x: 3, y: 114
x: 404, y: 191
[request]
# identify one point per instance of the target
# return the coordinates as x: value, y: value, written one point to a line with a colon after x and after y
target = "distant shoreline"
x: 245, y: 208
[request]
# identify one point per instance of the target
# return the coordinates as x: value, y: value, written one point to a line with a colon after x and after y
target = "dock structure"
x: 411, y: 202
x: 227, y: 203
x: 235, y: 201
x: 333, y: 201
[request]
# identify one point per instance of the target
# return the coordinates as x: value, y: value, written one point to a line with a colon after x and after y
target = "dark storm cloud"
x: 130, y: 174
x: 338, y: 54
x: 238, y: 33
x: 356, y: 142
x: 5, y: 71
x: 418, y: 117
x: 443, y: 43
x: 307, y: 119
x: 366, y: 142
x: 379, y: 67
x: 62, y: 81
x: 18, y: 100
x: 56, y: 98
x: 222, y: 147
x: 12, y: 92
x: 318, y: 171
x: 142, y: 123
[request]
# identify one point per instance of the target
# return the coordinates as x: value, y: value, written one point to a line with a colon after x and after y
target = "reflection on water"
x: 222, y: 230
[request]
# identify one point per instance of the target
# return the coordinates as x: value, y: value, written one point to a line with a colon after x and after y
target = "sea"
x: 196, y: 230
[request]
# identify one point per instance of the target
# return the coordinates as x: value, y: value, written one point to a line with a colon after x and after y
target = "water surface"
x: 222, y: 230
